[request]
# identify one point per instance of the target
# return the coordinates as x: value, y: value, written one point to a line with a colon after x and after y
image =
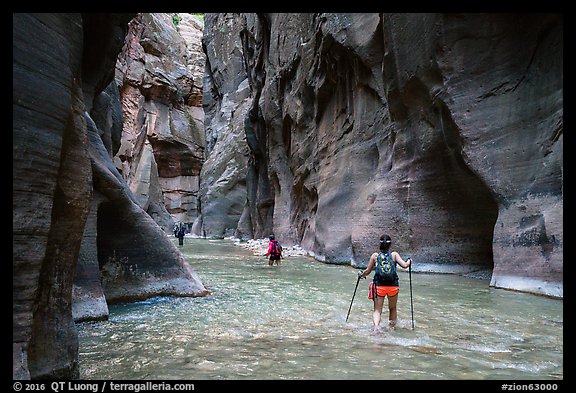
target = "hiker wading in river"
x: 385, y: 282
x: 274, y: 251
x: 180, y: 234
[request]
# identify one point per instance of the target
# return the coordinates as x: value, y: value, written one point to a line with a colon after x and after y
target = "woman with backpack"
x: 385, y: 282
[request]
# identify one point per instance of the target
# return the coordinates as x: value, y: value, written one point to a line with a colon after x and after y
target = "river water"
x: 289, y: 322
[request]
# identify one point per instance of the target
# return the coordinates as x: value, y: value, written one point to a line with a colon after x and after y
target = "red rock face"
x: 160, y: 76
x: 443, y: 131
x: 175, y: 158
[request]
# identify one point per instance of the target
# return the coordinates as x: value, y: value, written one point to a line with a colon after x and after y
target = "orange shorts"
x: 382, y: 290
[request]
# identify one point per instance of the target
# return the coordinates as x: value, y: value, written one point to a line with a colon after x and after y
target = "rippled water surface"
x: 289, y: 322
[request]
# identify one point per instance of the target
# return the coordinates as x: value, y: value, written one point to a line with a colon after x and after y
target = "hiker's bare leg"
x: 270, y: 262
x: 377, y: 313
x: 392, y: 309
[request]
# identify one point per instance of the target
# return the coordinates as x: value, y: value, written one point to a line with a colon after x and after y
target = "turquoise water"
x: 289, y: 322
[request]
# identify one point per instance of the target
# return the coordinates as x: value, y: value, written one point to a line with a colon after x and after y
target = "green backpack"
x: 385, y: 269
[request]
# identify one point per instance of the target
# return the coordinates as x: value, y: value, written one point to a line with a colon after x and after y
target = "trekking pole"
x: 411, y: 304
x: 350, y: 308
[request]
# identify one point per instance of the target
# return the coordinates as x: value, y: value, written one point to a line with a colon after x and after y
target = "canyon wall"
x: 159, y: 73
x: 443, y: 131
x: 227, y: 99
x: 71, y: 206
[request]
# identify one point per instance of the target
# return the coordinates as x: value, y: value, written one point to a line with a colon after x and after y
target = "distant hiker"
x: 180, y: 234
x: 274, y: 251
x: 385, y: 282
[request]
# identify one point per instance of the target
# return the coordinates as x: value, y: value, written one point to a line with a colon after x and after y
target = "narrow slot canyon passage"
x: 149, y: 149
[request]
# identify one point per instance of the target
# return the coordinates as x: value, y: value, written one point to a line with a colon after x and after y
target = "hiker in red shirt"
x: 274, y: 251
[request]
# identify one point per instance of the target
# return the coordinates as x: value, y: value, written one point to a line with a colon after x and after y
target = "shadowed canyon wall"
x: 71, y: 206
x: 444, y: 131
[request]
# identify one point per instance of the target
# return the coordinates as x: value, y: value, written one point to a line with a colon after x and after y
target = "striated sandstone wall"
x: 159, y: 73
x: 444, y: 131
x: 52, y: 178
x: 71, y: 207
x: 227, y: 98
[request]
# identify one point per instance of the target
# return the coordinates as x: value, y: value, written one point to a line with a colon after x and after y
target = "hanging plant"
x: 176, y: 19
